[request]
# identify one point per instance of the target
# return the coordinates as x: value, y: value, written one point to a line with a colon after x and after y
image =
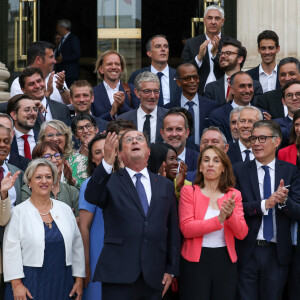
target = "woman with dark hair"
x: 91, y: 222
x: 291, y: 153
x: 210, y: 218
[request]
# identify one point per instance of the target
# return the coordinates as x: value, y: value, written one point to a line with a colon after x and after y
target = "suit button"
x: 146, y: 223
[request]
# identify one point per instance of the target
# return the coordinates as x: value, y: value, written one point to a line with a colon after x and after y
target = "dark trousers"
x: 138, y: 290
x: 294, y: 275
x: 214, y: 277
x: 262, y: 277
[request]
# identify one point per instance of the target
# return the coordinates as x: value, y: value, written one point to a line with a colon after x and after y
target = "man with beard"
x: 231, y: 59
x: 23, y: 111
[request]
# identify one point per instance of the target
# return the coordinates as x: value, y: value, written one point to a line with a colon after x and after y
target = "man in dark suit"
x: 289, y: 70
x: 68, y: 52
x: 157, y: 49
x: 112, y: 98
x: 231, y: 59
x: 175, y: 131
x: 202, y: 50
x: 148, y: 117
x: 271, y: 200
x: 142, y: 240
x: 267, y: 72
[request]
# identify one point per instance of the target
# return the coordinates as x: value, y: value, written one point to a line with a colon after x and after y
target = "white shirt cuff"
x: 199, y: 63
x: 108, y: 168
x: 263, y: 207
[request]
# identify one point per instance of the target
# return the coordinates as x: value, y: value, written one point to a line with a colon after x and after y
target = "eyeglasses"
x: 87, y: 126
x: 52, y: 135
x: 148, y: 92
x: 261, y: 138
x: 29, y: 110
x: 290, y: 96
x: 129, y: 139
x: 189, y: 78
x: 226, y: 53
x: 57, y: 156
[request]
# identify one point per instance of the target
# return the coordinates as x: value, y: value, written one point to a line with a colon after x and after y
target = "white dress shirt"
x: 47, y: 115
x: 243, y: 148
x: 20, y: 141
x: 268, y: 82
x: 225, y: 84
x: 11, y: 192
x: 110, y: 91
x: 261, y: 175
x: 141, y: 117
x: 235, y: 105
x: 181, y: 156
x: 165, y: 82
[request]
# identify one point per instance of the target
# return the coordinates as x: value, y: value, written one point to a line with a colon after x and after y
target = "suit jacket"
x: 254, y: 73
x: 14, y: 144
x: 172, y: 83
x: 132, y: 116
x: 191, y: 50
x: 18, y: 160
x: 234, y: 153
x: 136, y: 243
x: 70, y: 51
x: 289, y: 154
x: 216, y: 91
x: 272, y: 102
x: 191, y: 159
x: 101, y: 106
x: 286, y: 125
x: 247, y: 183
x: 192, y: 209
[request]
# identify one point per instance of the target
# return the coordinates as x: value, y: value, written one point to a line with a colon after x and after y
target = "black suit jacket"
x: 191, y: 159
x: 286, y: 126
x: 135, y: 243
x: 247, y: 183
x: 18, y: 160
x: 254, y: 73
x: 191, y: 50
x: 14, y: 145
x: 234, y: 153
x: 132, y: 116
x: 272, y: 102
x: 216, y: 91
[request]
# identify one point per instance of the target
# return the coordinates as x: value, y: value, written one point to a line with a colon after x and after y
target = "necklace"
x: 45, y: 213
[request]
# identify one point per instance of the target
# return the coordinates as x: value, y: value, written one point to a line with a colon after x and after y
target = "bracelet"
x: 62, y: 90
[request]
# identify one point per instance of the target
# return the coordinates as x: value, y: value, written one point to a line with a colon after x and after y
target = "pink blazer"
x: 192, y: 209
x: 288, y: 154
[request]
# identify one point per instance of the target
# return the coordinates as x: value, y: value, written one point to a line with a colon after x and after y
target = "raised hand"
x: 215, y: 45
x: 110, y: 145
x: 180, y: 178
x: 7, y: 183
x: 162, y: 169
x: 202, y: 50
x: 68, y: 173
x: 60, y: 79
x: 228, y: 206
x: 49, y: 89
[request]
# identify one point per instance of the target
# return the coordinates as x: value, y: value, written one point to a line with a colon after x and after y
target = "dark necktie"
x: 141, y: 191
x: 268, y: 219
x: 247, y: 152
x: 59, y: 46
x: 27, y: 152
x: 147, y: 128
x: 191, y: 110
x: 161, y: 96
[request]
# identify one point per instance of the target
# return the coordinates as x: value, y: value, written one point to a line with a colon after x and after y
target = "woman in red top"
x: 211, y: 216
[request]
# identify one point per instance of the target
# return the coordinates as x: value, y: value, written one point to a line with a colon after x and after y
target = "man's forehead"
x: 213, y: 13
x: 293, y: 87
x: 133, y: 133
x: 243, y: 79
x: 212, y: 134
x: 288, y: 68
x: 159, y: 40
x: 174, y: 120
x: 26, y: 102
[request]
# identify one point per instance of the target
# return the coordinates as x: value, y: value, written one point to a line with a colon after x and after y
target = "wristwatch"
x: 62, y: 90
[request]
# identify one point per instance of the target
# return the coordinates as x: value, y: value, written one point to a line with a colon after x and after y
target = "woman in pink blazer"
x: 211, y: 217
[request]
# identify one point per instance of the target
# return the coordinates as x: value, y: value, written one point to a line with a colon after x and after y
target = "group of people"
x: 181, y: 189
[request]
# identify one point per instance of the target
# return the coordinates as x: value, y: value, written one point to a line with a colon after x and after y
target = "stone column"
x: 4, y: 75
x: 281, y: 16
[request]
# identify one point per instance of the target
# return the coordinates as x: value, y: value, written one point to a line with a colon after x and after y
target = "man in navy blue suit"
x: 270, y: 191
x: 157, y: 49
x: 142, y: 241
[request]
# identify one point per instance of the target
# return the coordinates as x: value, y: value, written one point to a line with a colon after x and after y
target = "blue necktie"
x: 247, y: 152
x: 161, y: 96
x: 142, y: 193
x: 190, y: 104
x: 268, y: 219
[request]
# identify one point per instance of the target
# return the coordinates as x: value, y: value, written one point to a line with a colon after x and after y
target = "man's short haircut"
x: 82, y: 117
x: 289, y: 60
x: 13, y: 103
x: 187, y: 114
x: 178, y: 74
x: 145, y: 77
x: 260, y: 115
x: 28, y: 72
x: 149, y: 42
x: 174, y: 111
x: 100, y: 61
x: 119, y: 125
x: 272, y: 125
x: 37, y: 49
x: 217, y: 7
x: 79, y: 84
x: 65, y: 23
x: 242, y: 51
x: 213, y: 128
x: 235, y: 110
x: 287, y: 85
x: 122, y: 136
x: 232, y: 78
x: 268, y: 35
x: 3, y: 115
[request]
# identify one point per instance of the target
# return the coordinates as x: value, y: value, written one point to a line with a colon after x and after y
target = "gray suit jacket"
x: 19, y: 182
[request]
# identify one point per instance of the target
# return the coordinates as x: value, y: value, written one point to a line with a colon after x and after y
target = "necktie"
x: 191, y: 110
x: 147, y: 127
x: 228, y: 87
x: 27, y: 152
x: 59, y: 46
x: 161, y: 96
x: 247, y: 152
x: 142, y: 193
x: 268, y: 219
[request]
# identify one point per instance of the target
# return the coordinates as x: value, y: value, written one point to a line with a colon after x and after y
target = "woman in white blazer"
x: 42, y: 247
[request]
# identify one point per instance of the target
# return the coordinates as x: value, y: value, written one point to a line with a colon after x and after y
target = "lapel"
x: 160, y: 117
x: 278, y: 174
x: 202, y: 114
x: 14, y: 145
x: 237, y: 151
x: 155, y: 186
x: 227, y: 109
x: 220, y: 89
x: 172, y: 83
x: 253, y: 178
x: 104, y: 97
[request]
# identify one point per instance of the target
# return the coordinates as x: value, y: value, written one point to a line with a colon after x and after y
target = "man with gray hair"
x: 241, y: 150
x: 148, y: 116
x: 68, y: 52
x: 202, y: 50
x: 233, y: 118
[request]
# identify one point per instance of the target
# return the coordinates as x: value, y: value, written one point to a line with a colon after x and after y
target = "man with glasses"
x: 231, y: 59
x: 271, y: 200
x: 148, y: 116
